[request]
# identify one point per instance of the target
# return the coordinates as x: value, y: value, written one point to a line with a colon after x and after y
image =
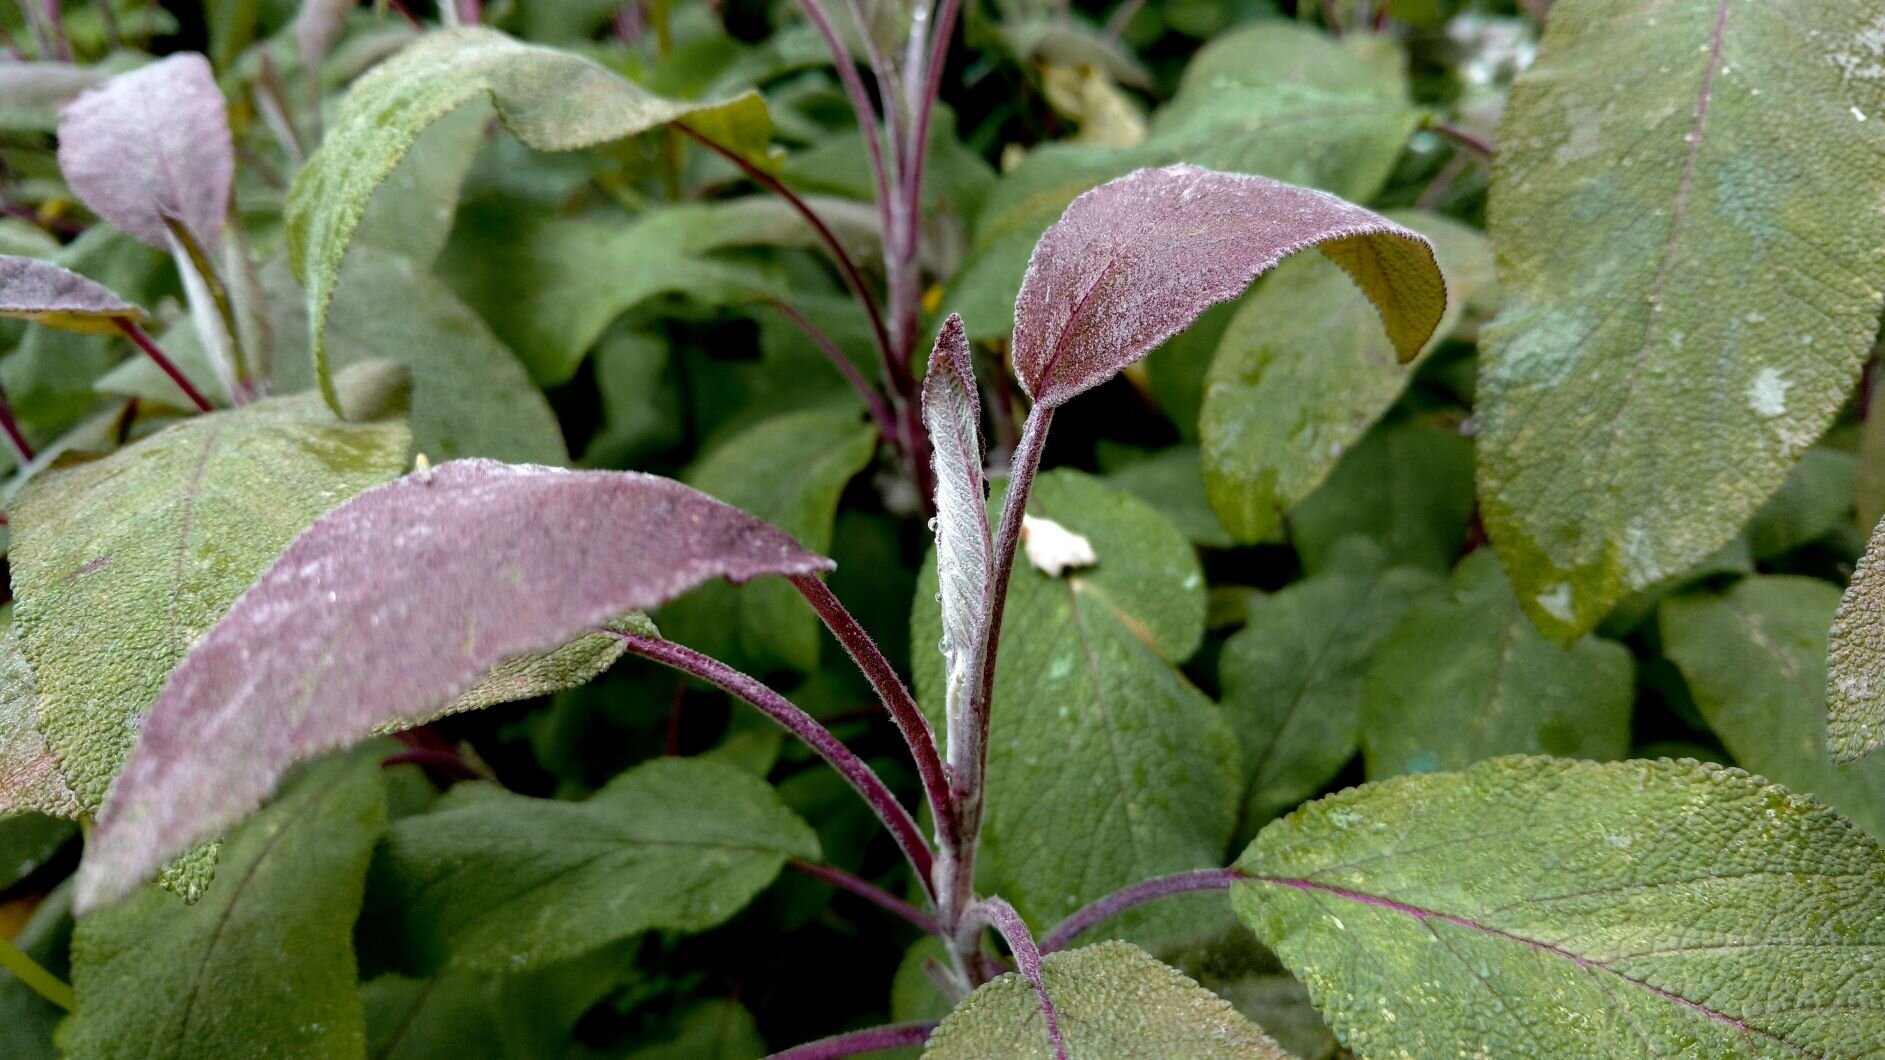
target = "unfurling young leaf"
x: 1135, y: 261
x: 1112, y: 999
x: 153, y: 144
x: 551, y: 100
x: 1691, y: 282
x: 1855, y: 660
x: 1537, y: 907
x: 391, y: 605
x: 60, y: 298
x: 952, y: 414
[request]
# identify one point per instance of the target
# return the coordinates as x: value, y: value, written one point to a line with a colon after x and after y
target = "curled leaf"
x: 151, y: 144
x: 59, y: 298
x: 952, y: 414
x: 1135, y: 261
x: 391, y: 605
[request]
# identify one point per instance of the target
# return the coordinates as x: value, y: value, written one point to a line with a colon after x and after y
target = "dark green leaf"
x: 1408, y: 486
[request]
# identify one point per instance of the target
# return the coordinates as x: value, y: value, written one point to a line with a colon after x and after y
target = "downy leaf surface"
x: 549, y: 99
x: 29, y: 774
x: 1112, y: 999
x: 122, y: 562
x: 952, y: 414
x: 1092, y: 720
x: 1855, y: 661
x: 153, y: 144
x: 1690, y: 283
x: 59, y: 298
x: 389, y: 607
x: 1302, y: 372
x: 1135, y: 261
x: 1465, y: 676
x: 494, y: 881
x: 264, y: 965
x: 1754, y: 658
x: 1539, y: 907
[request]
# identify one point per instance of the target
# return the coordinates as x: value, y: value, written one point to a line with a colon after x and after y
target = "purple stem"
x: 21, y: 447
x: 143, y: 342
x: 879, y: 408
x: 871, y: 893
x: 1139, y: 893
x: 846, y: 267
x: 448, y: 763
x: 860, y: 102
x: 55, y: 25
x: 470, y: 12
x: 1471, y: 141
x: 912, y: 204
x: 775, y: 706
x: 895, y: 695
x: 892, y: 1036
x: 1001, y: 916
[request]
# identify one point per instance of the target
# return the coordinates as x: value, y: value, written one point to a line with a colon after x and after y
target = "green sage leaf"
x: 1855, y: 663
x: 1690, y: 286
x: 1537, y: 907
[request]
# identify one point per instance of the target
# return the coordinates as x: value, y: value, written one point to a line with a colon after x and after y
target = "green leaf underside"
x: 1105, y: 765
x: 1690, y: 284
x: 492, y: 881
x: 1855, y: 661
x: 1754, y: 658
x: 1304, y: 369
x: 470, y: 396
x: 1112, y: 1000
x: 790, y: 471
x: 1293, y: 677
x: 1276, y: 100
x: 550, y: 100
x: 264, y: 965
x: 1466, y: 676
x: 1537, y: 907
x: 120, y: 564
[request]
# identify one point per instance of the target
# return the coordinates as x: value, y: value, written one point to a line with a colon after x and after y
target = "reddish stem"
x: 879, y: 409
x: 143, y: 342
x: 22, y: 449
x: 876, y: 1039
x: 871, y: 893
x: 860, y: 102
x: 775, y: 706
x: 1471, y: 141
x: 1139, y: 893
x: 1001, y: 916
x: 894, y: 694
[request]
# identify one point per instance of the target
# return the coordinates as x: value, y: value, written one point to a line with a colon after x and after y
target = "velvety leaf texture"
x: 1113, y: 1000
x: 1691, y: 282
x: 29, y: 775
x: 1105, y: 764
x: 1133, y: 262
x: 59, y: 298
x: 264, y: 965
x: 1754, y: 660
x: 551, y: 100
x: 952, y: 414
x: 1302, y: 372
x: 151, y: 144
x: 390, y: 606
x: 121, y: 563
x: 1855, y: 662
x: 1538, y: 907
x: 495, y: 881
x: 1465, y: 676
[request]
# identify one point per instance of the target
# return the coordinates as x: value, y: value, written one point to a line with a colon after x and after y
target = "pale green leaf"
x: 1105, y: 765
x: 470, y: 395
x: 1813, y: 500
x: 551, y: 100
x: 121, y: 563
x: 1407, y: 486
x: 411, y: 213
x: 1755, y: 661
x: 1112, y: 1000
x: 1537, y: 907
x: 1690, y: 285
x: 29, y: 775
x: 788, y: 470
x: 1466, y: 676
x: 1172, y: 481
x: 1304, y: 369
x: 494, y: 881
x: 264, y: 965
x: 1855, y: 689
x: 1293, y: 677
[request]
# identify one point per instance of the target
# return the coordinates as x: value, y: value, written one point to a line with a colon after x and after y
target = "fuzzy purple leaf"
x: 318, y: 25
x: 1135, y: 261
x: 59, y: 298
x: 149, y: 144
x: 388, y: 607
x: 952, y: 414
